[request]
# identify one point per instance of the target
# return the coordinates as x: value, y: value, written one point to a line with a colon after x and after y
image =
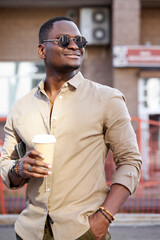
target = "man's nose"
x: 72, y: 44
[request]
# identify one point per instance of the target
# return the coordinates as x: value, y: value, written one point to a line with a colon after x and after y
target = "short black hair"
x: 47, y: 26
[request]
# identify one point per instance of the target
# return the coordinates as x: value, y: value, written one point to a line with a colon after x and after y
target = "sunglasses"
x: 64, y: 41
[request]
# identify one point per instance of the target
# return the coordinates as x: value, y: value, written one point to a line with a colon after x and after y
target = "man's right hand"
x: 32, y: 165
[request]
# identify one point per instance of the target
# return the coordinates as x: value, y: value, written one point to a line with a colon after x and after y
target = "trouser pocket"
x: 108, y: 236
x: 89, y: 235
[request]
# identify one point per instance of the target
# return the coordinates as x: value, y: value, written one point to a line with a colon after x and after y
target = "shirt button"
x: 48, y: 189
x: 54, y: 118
x: 60, y: 97
x: 66, y: 84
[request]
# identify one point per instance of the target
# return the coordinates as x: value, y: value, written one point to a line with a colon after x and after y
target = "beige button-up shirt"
x: 87, y: 119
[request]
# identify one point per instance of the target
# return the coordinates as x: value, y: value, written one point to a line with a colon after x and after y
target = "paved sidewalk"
x: 117, y: 232
x: 135, y: 232
x: 137, y: 219
x: 125, y: 219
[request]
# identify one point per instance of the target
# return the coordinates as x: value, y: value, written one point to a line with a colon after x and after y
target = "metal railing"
x: 147, y: 197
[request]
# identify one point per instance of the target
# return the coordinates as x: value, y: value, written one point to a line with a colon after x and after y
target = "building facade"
x: 129, y: 23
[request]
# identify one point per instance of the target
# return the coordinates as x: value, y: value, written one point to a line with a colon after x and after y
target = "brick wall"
x: 19, y: 32
x: 126, y: 22
x: 126, y: 31
x: 126, y: 82
x: 97, y: 64
x: 130, y: 25
x: 150, y: 26
x: 19, y: 38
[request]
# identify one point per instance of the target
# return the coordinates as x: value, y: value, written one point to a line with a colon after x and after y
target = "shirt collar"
x: 41, y: 85
x: 74, y: 81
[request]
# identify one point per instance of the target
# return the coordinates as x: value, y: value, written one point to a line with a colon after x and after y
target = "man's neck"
x: 54, y: 82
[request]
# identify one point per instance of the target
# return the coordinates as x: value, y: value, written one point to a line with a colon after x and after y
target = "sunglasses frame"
x: 59, y: 40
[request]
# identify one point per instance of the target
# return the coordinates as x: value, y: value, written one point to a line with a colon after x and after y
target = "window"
x: 17, y: 79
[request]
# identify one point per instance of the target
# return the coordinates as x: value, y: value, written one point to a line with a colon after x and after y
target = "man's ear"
x: 41, y: 51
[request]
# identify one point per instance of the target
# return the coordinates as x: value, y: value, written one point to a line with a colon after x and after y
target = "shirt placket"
x: 47, y: 179
x: 48, y: 183
x: 57, y: 108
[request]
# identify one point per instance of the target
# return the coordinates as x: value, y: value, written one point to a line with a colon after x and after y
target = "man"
x: 70, y: 200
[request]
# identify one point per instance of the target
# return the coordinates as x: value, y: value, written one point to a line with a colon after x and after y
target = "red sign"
x: 136, y: 56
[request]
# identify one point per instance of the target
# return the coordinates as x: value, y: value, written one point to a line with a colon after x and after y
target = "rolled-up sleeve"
x: 121, y: 139
x: 8, y: 156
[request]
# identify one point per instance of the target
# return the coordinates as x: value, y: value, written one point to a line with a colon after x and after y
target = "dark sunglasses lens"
x: 64, y: 41
x: 81, y: 42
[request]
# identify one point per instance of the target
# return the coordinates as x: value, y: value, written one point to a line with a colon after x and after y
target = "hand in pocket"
x: 99, y: 225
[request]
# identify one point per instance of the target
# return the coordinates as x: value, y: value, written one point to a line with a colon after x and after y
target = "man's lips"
x: 72, y: 55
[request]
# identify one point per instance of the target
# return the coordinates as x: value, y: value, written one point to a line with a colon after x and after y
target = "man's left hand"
x: 99, y: 225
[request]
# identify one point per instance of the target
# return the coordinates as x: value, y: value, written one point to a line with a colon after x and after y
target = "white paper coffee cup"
x: 44, y: 143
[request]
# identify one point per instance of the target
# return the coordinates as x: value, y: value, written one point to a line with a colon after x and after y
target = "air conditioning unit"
x: 95, y: 25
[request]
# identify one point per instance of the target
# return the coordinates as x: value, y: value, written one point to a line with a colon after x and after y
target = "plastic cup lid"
x: 44, y: 138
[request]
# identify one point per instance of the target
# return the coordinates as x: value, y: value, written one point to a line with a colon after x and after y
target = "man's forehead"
x: 64, y: 27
